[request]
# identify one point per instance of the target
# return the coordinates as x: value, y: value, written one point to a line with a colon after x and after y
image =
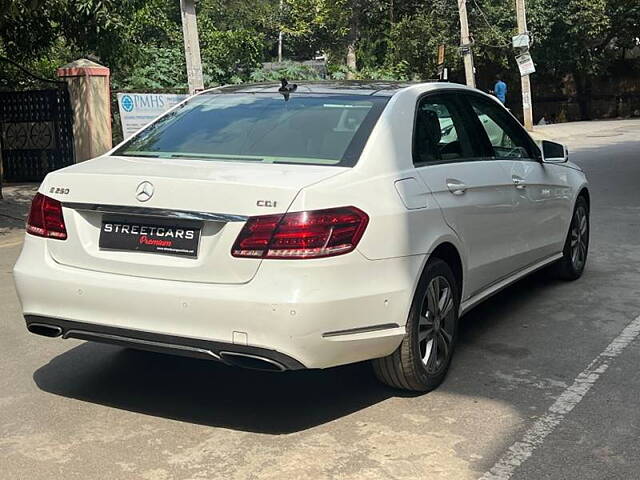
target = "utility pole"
x: 465, y: 43
x: 1, y: 172
x: 280, y: 35
x: 527, y: 109
x: 191, y: 46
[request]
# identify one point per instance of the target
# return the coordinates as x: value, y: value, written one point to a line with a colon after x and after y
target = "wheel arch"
x: 449, y: 253
x: 584, y: 192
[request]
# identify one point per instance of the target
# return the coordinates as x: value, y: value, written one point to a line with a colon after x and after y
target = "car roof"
x: 345, y: 87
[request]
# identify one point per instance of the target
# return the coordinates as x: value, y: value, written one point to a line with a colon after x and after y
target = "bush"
x: 288, y: 70
x: 398, y: 72
x: 156, y: 67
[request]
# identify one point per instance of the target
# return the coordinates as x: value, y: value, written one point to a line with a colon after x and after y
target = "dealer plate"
x: 144, y: 237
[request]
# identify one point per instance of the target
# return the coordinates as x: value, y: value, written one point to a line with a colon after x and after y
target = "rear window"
x: 307, y: 128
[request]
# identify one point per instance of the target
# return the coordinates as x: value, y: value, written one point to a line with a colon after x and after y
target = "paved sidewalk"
x: 14, y: 208
x: 589, y: 134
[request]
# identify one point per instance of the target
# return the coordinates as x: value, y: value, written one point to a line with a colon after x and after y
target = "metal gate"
x: 36, y: 134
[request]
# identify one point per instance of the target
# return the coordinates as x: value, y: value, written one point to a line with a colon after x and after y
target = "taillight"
x: 313, y: 234
x: 45, y: 218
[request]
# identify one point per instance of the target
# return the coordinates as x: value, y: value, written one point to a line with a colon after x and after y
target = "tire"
x: 421, y: 361
x: 576, y: 245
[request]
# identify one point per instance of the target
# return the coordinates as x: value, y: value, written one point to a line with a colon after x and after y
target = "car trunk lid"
x: 208, y: 198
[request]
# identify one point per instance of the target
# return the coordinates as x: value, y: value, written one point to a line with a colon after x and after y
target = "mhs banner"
x: 139, y: 109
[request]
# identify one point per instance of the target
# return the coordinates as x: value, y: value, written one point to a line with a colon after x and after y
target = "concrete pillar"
x: 89, y: 92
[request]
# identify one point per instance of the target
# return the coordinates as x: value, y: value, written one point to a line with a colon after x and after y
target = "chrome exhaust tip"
x: 44, y: 330
x: 253, y: 362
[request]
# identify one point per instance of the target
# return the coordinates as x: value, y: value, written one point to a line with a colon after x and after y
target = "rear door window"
x: 440, y: 132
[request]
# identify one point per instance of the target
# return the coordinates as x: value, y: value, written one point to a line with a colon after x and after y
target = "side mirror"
x: 553, y: 152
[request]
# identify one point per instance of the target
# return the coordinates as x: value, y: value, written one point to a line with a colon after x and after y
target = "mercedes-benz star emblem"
x: 144, y: 191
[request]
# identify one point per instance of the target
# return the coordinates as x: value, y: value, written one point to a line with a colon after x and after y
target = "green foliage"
x: 258, y: 15
x: 25, y: 28
x: 582, y: 38
x: 288, y: 70
x: 398, y: 72
x: 141, y: 40
x: 157, y: 68
x: 339, y: 71
x: 91, y: 26
x: 414, y: 42
x: 154, y: 22
x: 230, y: 56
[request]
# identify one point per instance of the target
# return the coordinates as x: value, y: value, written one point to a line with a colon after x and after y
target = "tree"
x: 415, y: 38
x: 141, y: 40
x: 581, y: 38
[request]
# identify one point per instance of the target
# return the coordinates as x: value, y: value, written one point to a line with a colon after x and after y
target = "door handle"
x: 519, y: 183
x: 456, y: 187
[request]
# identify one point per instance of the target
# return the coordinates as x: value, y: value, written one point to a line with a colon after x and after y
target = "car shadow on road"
x: 207, y: 393
x: 502, y: 308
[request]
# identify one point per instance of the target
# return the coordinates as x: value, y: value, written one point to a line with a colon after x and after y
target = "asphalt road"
x: 524, y: 396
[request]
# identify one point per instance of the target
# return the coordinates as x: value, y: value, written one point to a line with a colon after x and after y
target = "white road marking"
x: 533, y: 438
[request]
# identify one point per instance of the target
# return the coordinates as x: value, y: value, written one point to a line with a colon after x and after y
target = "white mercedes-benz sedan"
x: 289, y: 227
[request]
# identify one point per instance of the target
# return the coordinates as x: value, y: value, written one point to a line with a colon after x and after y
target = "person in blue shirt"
x: 500, y: 89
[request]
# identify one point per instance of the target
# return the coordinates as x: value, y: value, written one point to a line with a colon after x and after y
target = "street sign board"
x: 139, y: 109
x: 443, y: 73
x: 521, y: 41
x: 525, y: 64
x: 441, y: 54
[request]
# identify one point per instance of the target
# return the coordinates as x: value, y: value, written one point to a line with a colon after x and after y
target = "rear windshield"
x: 307, y: 128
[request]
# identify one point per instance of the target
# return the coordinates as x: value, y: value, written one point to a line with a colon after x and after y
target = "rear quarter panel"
x: 393, y: 230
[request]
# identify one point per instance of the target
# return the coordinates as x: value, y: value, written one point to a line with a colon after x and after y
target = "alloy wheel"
x: 579, y: 237
x: 436, y: 325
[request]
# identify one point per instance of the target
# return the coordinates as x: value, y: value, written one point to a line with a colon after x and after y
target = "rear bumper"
x: 309, y: 313
x: 234, y: 355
